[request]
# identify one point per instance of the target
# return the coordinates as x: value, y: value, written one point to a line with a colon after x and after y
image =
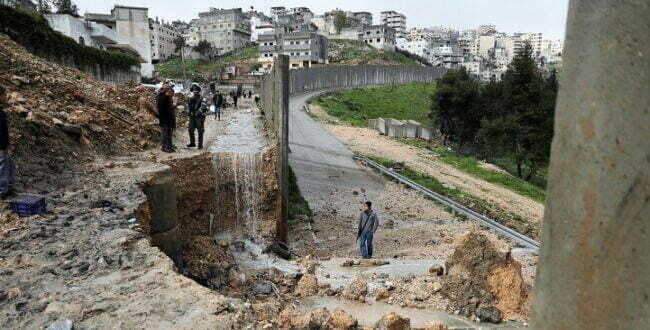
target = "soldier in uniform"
x: 196, y: 110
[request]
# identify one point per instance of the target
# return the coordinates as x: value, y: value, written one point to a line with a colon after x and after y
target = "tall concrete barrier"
x: 342, y: 77
x: 274, y: 101
x: 594, y: 267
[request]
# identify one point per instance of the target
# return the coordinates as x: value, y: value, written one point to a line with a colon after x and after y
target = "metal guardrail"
x: 499, y: 228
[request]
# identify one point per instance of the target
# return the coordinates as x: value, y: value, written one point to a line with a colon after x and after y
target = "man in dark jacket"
x: 196, y: 113
x: 368, y: 224
x: 7, y: 166
x: 165, y: 117
x: 217, y: 100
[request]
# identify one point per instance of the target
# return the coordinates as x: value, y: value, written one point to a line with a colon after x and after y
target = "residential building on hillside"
x: 422, y: 47
x: 277, y: 12
x: 485, y: 45
x: 225, y: 29
x: 364, y: 17
x: 304, y: 49
x: 83, y: 32
x: 396, y: 21
x: 379, y: 36
x: 132, y: 27
x: 162, y: 40
x: 260, y: 24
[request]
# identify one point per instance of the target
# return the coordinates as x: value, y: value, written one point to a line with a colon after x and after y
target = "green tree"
x: 455, y: 107
x: 179, y: 44
x: 340, y: 21
x: 518, y: 120
x: 66, y: 7
x: 203, y: 47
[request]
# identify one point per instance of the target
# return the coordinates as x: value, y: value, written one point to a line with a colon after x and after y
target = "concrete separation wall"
x: 274, y: 101
x: 343, y: 77
x: 594, y: 265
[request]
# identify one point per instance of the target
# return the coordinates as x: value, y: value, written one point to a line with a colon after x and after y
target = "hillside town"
x: 369, y: 165
x: 302, y: 35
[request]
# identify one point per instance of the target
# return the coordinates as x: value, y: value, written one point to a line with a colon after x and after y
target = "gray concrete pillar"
x: 161, y: 199
x: 594, y: 268
x: 281, y: 101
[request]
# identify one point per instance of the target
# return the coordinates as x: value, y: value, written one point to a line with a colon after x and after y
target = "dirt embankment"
x: 60, y: 117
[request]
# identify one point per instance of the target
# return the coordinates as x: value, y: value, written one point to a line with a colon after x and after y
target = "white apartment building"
x: 396, y: 21
x: 422, y: 47
x: 485, y: 45
x: 518, y: 40
x: 379, y: 36
x: 132, y: 27
x: 162, y: 40
x: 225, y: 29
x: 304, y: 49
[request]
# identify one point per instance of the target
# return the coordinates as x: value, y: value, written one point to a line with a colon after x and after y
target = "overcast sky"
x: 546, y: 16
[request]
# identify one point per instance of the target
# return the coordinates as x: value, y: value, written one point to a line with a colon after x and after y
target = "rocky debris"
x: 340, y: 319
x: 307, y: 286
x: 484, y: 282
x: 290, y: 319
x: 435, y: 325
x: 393, y: 321
x: 437, y: 270
x: 357, y: 290
x: 382, y: 294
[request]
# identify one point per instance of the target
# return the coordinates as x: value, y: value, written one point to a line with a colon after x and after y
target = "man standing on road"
x: 7, y: 166
x: 217, y: 100
x: 165, y: 117
x: 196, y: 114
x: 368, y: 224
x: 235, y: 97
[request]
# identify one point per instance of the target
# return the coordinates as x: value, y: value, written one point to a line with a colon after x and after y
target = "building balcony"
x: 103, y: 34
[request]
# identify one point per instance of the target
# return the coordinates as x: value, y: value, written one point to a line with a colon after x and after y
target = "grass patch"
x: 471, y: 165
x: 298, y: 205
x: 196, y: 68
x: 356, y: 106
x: 475, y: 203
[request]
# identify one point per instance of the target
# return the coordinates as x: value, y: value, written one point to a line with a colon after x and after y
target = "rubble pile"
x: 484, y: 282
x: 60, y: 117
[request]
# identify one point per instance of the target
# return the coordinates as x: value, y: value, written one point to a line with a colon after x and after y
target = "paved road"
x: 324, y: 166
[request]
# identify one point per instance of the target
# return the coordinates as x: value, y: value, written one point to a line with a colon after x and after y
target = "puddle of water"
x: 253, y: 257
x: 368, y: 315
x: 342, y: 276
x: 242, y: 135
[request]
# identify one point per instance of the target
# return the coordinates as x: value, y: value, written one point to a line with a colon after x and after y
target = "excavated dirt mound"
x: 60, y: 117
x: 485, y: 282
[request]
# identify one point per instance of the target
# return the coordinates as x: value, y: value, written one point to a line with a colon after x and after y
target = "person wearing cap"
x: 196, y: 111
x: 7, y: 165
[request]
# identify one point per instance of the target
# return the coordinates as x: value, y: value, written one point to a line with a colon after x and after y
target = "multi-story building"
x: 379, y: 36
x: 304, y: 49
x: 364, y: 17
x: 132, y: 27
x: 301, y: 14
x: 518, y: 40
x: 259, y: 23
x: 486, y: 45
x: 82, y: 31
x: 473, y: 68
x: 225, y: 29
x: 162, y: 40
x: 420, y: 47
x: 396, y: 21
x: 277, y: 12
x: 552, y: 50
x: 448, y: 56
